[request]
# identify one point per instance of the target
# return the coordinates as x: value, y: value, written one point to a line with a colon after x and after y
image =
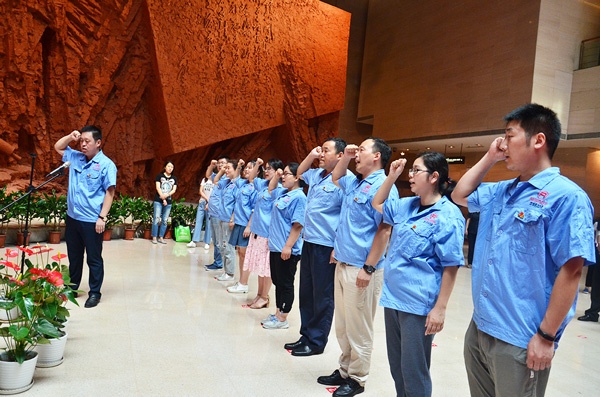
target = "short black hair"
x: 534, y: 118
x: 340, y: 144
x: 381, y: 146
x: 96, y: 131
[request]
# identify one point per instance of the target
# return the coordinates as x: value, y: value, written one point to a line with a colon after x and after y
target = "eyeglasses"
x: 265, y: 169
x: 288, y: 174
x: 415, y: 171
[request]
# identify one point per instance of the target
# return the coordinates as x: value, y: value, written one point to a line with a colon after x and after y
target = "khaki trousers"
x: 354, y: 313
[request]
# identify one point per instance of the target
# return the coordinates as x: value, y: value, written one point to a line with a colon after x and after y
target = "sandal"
x: 256, y: 305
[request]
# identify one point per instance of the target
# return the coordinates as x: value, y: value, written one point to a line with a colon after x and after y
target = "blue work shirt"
x: 244, y: 202
x: 214, y: 201
x: 527, y: 232
x: 288, y: 208
x: 358, y: 220
x: 261, y: 218
x: 422, y: 244
x: 228, y: 190
x: 88, y: 183
x: 323, y: 208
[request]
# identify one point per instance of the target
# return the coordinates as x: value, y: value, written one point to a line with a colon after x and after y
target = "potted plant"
x: 52, y: 208
x: 114, y: 216
x: 38, y: 293
x: 144, y: 213
x: 19, y: 214
x: 128, y: 208
x: 5, y: 199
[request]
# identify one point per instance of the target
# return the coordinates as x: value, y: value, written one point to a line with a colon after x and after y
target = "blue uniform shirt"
x: 244, y: 202
x: 88, y: 183
x: 289, y: 208
x: 358, y: 220
x: 322, y: 209
x: 422, y: 244
x: 527, y: 231
x: 214, y: 201
x: 261, y: 218
x: 228, y: 191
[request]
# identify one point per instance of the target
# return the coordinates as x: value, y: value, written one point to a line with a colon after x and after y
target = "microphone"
x: 59, y: 170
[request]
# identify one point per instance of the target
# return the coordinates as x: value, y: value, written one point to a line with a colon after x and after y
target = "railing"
x: 589, y: 53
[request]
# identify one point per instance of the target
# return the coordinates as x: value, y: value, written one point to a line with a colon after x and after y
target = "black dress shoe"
x: 588, y: 317
x: 305, y: 351
x: 294, y: 345
x: 335, y: 379
x: 349, y: 388
x: 92, y: 301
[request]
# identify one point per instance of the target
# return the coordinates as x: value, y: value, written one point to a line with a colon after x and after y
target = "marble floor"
x: 166, y: 327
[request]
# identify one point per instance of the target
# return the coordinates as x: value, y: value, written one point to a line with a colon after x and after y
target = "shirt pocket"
x: 93, y: 180
x: 417, y: 238
x: 528, y: 231
x: 358, y: 214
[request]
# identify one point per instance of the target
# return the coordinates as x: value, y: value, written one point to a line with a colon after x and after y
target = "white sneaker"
x: 270, y: 317
x: 276, y: 324
x: 238, y: 288
x: 191, y: 244
x: 206, y: 246
x: 224, y: 277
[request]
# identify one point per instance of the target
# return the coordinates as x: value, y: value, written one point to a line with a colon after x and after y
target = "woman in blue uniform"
x: 420, y: 269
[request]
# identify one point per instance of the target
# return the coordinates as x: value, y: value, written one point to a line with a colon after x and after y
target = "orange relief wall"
x: 184, y: 82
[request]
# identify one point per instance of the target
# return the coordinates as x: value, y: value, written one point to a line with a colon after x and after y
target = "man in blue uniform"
x: 92, y: 181
x: 359, y: 245
x: 322, y: 217
x: 535, y: 235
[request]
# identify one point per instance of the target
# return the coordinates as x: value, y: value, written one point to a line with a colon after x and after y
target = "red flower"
x: 55, y: 278
x: 11, y: 253
x: 36, y: 271
x: 11, y: 265
x: 18, y: 282
x: 25, y: 249
x: 59, y: 257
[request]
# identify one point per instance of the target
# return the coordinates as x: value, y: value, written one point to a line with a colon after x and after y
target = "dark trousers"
x: 316, y: 294
x: 409, y: 352
x: 82, y: 237
x: 595, y: 294
x: 282, y: 274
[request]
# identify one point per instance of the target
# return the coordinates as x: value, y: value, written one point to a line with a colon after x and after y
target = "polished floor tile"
x: 165, y: 327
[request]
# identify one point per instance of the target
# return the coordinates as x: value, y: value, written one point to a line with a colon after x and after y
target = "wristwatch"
x: 104, y: 218
x: 369, y: 269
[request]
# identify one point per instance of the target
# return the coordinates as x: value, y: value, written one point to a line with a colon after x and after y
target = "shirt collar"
x: 540, y: 179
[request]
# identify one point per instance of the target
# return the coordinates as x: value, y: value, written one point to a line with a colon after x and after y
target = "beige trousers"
x: 354, y: 313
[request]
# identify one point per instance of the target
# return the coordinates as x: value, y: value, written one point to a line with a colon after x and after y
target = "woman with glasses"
x: 420, y: 268
x: 285, y: 242
x: 257, y: 253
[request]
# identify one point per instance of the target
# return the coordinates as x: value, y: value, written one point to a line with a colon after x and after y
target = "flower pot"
x: 14, y: 377
x: 6, y: 315
x: 54, y: 237
x: 168, y: 233
x: 148, y: 234
x: 2, y: 240
x: 51, y: 354
x: 107, y: 235
x: 129, y: 233
x: 20, y: 238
